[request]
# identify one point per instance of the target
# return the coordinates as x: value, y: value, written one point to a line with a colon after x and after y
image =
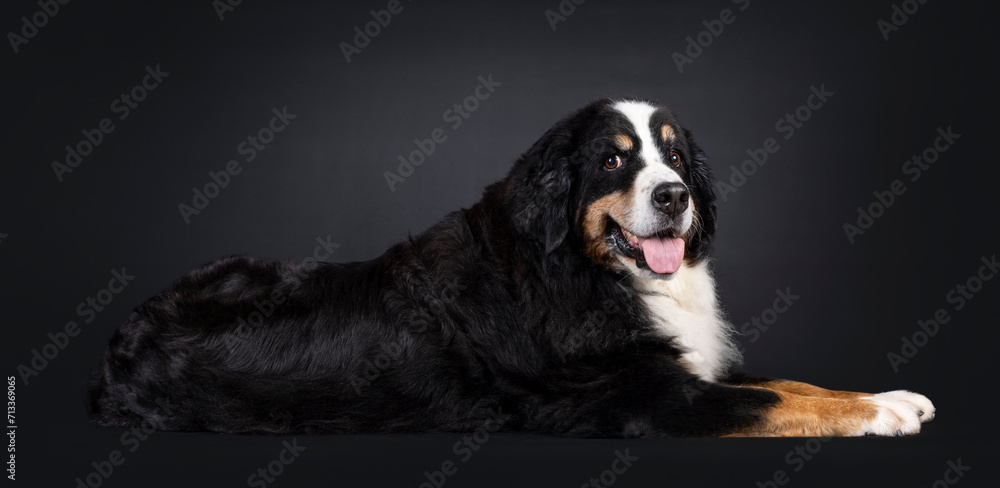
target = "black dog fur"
x: 494, y: 313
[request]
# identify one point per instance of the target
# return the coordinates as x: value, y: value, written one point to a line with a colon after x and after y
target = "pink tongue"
x: 663, y: 254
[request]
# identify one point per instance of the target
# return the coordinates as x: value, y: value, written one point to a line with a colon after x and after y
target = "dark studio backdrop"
x: 850, y: 93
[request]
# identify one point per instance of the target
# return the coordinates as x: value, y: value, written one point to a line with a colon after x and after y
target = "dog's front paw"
x: 925, y: 409
x: 893, y: 417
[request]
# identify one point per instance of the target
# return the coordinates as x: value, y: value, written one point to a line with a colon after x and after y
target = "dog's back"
x: 250, y: 345
x: 229, y: 346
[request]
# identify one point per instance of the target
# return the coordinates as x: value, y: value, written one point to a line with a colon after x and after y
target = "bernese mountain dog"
x: 575, y: 298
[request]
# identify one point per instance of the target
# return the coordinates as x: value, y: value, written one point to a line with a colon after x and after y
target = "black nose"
x: 671, y: 198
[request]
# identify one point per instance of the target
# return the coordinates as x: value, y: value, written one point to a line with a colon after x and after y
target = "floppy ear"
x: 539, y: 185
x: 704, y: 200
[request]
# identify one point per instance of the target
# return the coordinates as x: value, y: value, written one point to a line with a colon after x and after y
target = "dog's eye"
x: 675, y: 158
x: 613, y: 162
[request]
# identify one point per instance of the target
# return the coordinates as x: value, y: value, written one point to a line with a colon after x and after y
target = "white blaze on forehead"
x: 655, y: 171
x: 643, y: 217
x: 639, y: 113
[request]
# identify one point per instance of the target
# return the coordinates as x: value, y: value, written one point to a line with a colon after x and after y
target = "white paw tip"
x: 925, y: 409
x: 892, y: 418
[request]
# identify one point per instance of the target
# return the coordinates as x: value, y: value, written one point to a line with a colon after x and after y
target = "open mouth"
x: 662, y: 254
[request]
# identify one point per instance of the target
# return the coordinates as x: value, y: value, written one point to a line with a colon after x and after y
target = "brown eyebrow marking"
x: 623, y: 142
x: 667, y: 132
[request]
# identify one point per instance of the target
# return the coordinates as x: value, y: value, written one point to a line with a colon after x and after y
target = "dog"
x: 576, y: 298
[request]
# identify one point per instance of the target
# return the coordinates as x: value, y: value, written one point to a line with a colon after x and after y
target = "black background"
x: 323, y: 177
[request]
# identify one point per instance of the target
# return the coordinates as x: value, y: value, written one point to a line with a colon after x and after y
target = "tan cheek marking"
x: 806, y: 416
x: 623, y: 142
x: 595, y: 223
x: 667, y: 132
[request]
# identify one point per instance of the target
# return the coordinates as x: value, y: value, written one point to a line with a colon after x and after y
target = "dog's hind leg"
x: 122, y: 393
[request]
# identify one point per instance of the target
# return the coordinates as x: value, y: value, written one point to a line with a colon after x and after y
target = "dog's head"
x: 622, y: 182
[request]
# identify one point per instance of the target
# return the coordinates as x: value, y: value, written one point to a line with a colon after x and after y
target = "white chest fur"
x: 685, y: 308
